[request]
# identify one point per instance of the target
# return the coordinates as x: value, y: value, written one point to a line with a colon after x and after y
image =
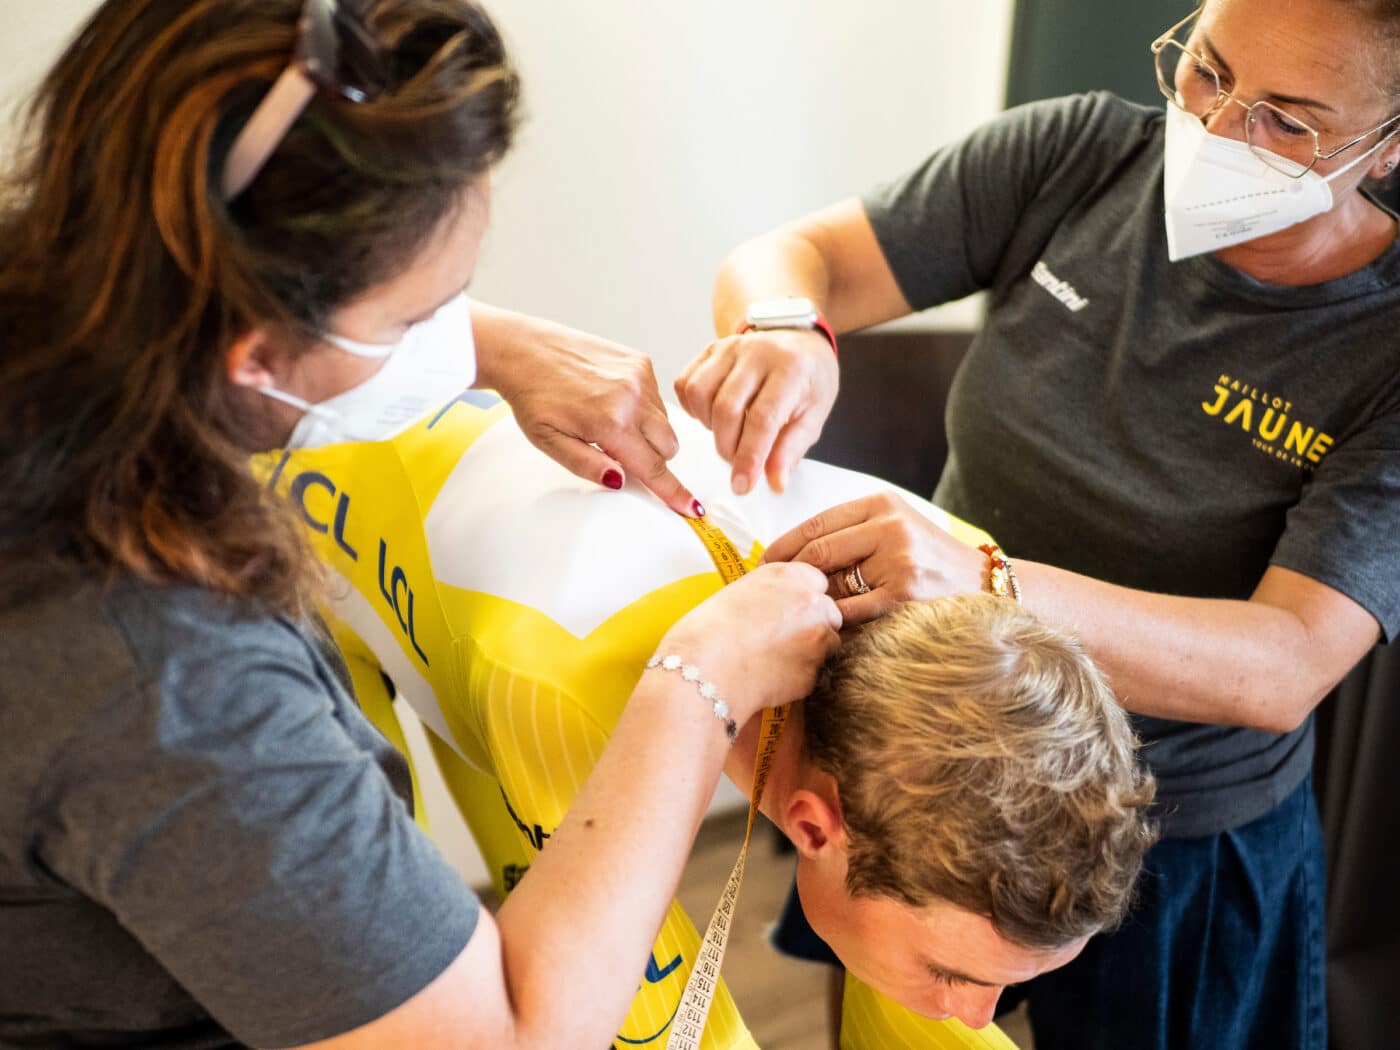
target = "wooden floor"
x: 783, y: 1001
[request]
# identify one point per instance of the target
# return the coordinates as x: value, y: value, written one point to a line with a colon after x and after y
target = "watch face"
x: 783, y: 313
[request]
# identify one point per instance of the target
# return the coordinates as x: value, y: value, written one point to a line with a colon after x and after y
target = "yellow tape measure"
x: 700, y: 988
x: 721, y: 549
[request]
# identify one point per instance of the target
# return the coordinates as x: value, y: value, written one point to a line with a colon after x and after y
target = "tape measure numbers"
x: 700, y: 988
x: 721, y: 549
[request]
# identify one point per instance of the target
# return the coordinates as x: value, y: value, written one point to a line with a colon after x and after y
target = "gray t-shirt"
x: 1174, y: 427
x: 203, y: 843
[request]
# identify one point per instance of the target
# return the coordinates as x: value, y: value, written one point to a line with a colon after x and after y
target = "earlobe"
x: 1386, y: 161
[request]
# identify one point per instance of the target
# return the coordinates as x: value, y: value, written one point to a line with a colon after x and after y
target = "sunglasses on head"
x: 336, y: 53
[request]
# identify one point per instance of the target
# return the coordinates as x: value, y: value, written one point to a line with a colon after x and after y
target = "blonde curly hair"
x: 981, y: 759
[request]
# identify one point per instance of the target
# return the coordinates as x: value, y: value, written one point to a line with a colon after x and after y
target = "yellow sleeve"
x: 478, y: 799
x: 871, y: 1021
x: 375, y: 700
x: 543, y: 743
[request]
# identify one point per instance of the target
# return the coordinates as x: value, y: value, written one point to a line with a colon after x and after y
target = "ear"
x: 1386, y: 160
x: 813, y: 822
x: 252, y: 361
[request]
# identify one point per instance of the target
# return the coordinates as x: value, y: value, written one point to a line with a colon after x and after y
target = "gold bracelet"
x: 1001, y: 577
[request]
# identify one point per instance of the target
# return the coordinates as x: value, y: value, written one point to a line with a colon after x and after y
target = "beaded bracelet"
x: 1001, y: 577
x: 691, y: 673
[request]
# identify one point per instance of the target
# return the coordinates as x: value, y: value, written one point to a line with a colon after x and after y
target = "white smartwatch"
x: 770, y: 314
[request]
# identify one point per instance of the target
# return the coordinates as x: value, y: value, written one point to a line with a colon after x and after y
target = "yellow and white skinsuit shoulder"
x: 513, y: 606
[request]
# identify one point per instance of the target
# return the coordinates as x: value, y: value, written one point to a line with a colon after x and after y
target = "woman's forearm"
x: 1263, y: 663
x: 776, y: 265
x: 831, y: 257
x: 577, y: 929
x: 586, y: 402
x: 561, y: 961
x: 503, y: 341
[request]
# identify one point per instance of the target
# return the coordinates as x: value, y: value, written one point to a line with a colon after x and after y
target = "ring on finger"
x: 855, y: 582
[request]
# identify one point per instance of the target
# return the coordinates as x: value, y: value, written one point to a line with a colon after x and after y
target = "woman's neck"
x: 1324, y: 248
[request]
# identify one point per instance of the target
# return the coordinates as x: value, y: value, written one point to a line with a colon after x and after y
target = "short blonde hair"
x: 981, y: 759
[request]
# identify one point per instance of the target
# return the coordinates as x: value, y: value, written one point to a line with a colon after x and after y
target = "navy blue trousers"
x: 1224, y: 949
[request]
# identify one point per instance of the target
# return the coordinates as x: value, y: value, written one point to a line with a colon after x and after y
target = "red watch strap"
x: 820, y: 325
x: 824, y: 326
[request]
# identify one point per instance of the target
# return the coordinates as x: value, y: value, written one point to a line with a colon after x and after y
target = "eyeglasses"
x: 1280, y: 139
x: 335, y: 52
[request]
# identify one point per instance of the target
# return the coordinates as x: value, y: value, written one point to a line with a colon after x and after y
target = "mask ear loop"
x: 374, y: 351
x: 1390, y: 165
x: 378, y: 351
x: 296, y: 402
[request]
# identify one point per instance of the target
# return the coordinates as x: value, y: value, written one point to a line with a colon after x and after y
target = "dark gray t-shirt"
x: 1174, y: 427
x: 203, y: 843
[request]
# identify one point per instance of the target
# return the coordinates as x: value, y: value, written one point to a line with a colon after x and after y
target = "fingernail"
x: 741, y: 483
x: 782, y: 481
x: 696, y: 510
x: 613, y: 479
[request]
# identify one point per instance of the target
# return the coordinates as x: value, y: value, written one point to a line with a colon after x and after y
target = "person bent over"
x: 519, y: 646
x: 966, y: 801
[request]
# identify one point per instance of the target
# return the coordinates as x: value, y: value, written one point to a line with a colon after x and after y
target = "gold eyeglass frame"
x: 1223, y: 96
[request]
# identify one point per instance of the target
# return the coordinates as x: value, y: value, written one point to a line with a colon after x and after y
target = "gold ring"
x: 855, y: 583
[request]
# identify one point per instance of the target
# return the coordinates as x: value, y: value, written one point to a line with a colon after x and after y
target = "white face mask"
x: 1218, y: 193
x: 433, y: 363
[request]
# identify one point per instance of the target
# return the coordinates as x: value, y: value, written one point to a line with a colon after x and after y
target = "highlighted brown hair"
x: 981, y: 759
x: 125, y: 277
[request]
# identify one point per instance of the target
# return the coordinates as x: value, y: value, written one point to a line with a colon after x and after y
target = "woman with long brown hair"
x: 240, y: 226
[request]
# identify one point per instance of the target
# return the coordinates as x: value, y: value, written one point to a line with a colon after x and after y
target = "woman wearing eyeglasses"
x: 1182, y: 420
x: 202, y: 841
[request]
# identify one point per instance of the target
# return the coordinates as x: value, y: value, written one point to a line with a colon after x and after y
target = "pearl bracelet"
x: 708, y: 692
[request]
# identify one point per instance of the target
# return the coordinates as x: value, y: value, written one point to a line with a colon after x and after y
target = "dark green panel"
x: 1059, y: 47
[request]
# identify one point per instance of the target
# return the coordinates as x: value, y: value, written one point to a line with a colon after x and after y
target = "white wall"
x: 661, y: 134
x: 31, y: 36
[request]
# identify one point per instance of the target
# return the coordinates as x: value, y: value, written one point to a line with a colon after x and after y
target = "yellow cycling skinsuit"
x: 513, y: 606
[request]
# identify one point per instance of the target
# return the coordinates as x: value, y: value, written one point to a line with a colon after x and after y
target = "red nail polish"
x: 613, y: 479
x: 696, y: 509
